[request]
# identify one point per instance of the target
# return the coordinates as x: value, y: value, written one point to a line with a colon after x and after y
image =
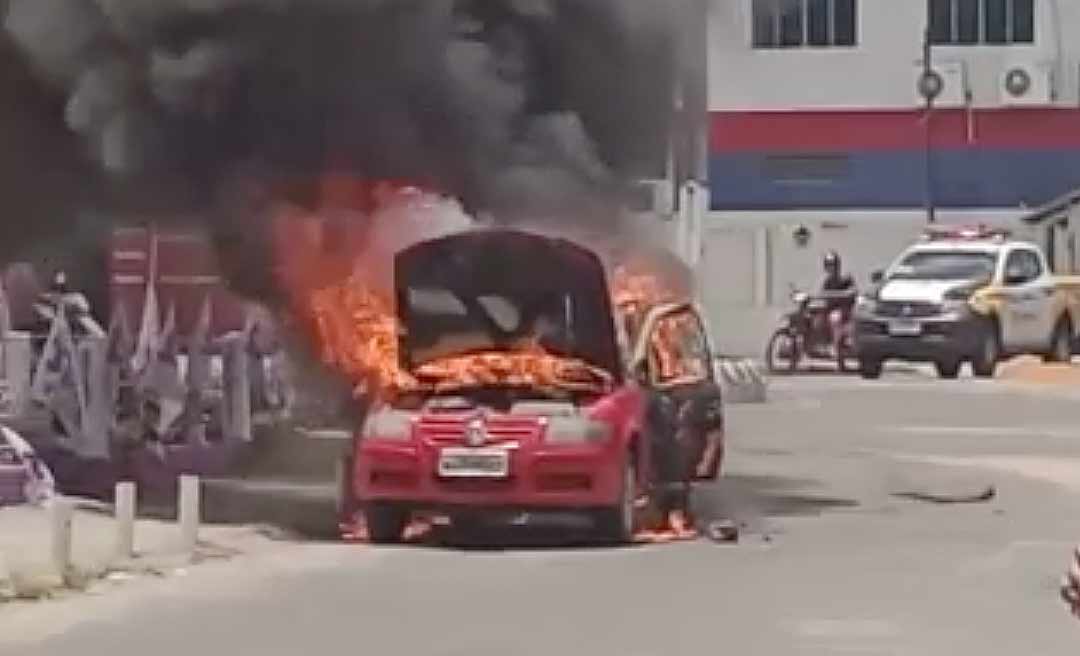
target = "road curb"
x: 742, y: 380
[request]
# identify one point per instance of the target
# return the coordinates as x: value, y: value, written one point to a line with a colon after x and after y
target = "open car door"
x: 672, y: 359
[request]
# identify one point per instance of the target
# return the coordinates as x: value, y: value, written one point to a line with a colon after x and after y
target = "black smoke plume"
x: 209, y: 108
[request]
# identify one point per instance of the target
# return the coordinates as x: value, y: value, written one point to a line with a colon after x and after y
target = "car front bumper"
x: 541, y: 478
x: 938, y: 339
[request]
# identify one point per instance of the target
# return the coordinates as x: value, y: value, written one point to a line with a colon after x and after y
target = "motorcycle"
x: 805, y: 332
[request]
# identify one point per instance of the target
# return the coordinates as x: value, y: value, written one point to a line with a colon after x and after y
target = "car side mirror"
x: 877, y: 277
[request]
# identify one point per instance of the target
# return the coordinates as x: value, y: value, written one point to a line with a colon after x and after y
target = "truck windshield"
x: 945, y: 265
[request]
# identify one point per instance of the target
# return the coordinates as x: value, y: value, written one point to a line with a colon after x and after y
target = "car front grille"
x: 907, y: 310
x: 452, y: 431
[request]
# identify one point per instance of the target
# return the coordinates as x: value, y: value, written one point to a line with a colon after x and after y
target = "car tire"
x: 985, y: 363
x: 870, y: 369
x: 948, y: 369
x: 618, y: 524
x: 386, y: 523
x: 1061, y: 343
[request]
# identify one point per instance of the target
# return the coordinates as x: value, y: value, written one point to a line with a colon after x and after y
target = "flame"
x: 331, y: 272
x: 531, y: 368
x: 634, y: 292
x: 334, y: 262
x: 357, y: 333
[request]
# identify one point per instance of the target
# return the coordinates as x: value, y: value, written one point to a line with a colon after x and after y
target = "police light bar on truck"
x: 965, y: 233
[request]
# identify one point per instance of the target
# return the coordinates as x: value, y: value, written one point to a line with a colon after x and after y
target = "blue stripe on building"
x: 888, y: 180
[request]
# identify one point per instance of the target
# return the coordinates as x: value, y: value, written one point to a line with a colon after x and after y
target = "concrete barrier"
x: 741, y: 380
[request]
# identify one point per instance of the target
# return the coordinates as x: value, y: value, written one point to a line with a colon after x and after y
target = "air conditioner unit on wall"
x: 947, y: 83
x: 1027, y: 84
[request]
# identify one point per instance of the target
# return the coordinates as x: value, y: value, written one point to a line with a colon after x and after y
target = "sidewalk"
x: 27, y: 571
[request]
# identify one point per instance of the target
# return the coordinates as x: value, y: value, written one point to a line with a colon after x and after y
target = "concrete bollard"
x: 741, y: 381
x: 125, y: 521
x: 189, y: 515
x: 62, y: 512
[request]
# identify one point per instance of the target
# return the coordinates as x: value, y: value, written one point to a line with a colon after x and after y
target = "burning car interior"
x: 505, y: 310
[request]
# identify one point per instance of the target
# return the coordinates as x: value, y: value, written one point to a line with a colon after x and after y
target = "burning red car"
x: 525, y: 389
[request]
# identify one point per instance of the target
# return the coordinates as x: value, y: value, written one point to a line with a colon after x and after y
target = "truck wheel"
x: 1061, y: 343
x: 385, y: 523
x: 617, y: 524
x: 948, y: 369
x: 870, y: 369
x: 989, y: 352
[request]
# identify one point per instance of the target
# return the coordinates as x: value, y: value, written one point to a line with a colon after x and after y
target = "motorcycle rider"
x: 839, y: 292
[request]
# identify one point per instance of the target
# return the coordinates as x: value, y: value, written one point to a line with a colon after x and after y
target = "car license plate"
x: 474, y: 463
x: 905, y: 328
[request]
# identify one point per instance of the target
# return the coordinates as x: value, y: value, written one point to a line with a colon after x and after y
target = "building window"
x: 990, y: 22
x: 804, y: 23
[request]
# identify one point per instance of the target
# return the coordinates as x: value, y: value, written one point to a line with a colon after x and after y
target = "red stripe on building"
x: 1025, y: 129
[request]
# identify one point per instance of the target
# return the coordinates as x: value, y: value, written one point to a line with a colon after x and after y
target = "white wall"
x: 881, y: 71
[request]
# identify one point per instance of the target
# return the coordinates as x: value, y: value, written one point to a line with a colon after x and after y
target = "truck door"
x: 687, y: 419
x: 1029, y: 297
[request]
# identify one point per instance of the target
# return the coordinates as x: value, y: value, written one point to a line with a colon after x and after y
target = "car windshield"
x: 458, y: 323
x: 945, y: 265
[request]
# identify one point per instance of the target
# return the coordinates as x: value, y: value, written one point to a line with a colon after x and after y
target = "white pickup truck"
x: 967, y: 296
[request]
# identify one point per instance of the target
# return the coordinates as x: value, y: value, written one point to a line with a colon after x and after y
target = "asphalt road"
x: 834, y: 558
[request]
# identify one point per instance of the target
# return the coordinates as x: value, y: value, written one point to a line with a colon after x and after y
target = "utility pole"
x: 930, y: 86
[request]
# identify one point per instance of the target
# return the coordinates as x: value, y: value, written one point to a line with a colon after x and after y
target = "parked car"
x: 624, y: 424
x: 967, y: 295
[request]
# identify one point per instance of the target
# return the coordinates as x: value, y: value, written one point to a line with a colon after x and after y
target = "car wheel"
x: 1061, y: 343
x: 989, y: 354
x: 618, y: 523
x: 870, y: 369
x: 948, y: 369
x: 385, y: 523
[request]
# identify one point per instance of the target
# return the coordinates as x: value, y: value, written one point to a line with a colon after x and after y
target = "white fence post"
x: 189, y: 518
x: 125, y: 521
x: 62, y: 513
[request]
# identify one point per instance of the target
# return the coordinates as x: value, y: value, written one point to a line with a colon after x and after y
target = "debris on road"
x: 722, y: 531
x: 981, y: 497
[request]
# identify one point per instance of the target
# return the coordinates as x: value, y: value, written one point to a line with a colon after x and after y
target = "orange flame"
x: 329, y: 271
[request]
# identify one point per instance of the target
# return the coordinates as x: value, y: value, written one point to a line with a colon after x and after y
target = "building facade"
x: 816, y: 104
x: 819, y: 126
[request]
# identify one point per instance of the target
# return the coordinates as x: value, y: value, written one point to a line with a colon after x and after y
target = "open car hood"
x: 481, y: 291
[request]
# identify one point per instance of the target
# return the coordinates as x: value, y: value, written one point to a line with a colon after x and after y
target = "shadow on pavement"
x: 751, y: 499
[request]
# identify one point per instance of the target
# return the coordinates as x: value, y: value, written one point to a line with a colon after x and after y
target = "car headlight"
x: 955, y: 308
x: 390, y: 425
x: 574, y: 430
